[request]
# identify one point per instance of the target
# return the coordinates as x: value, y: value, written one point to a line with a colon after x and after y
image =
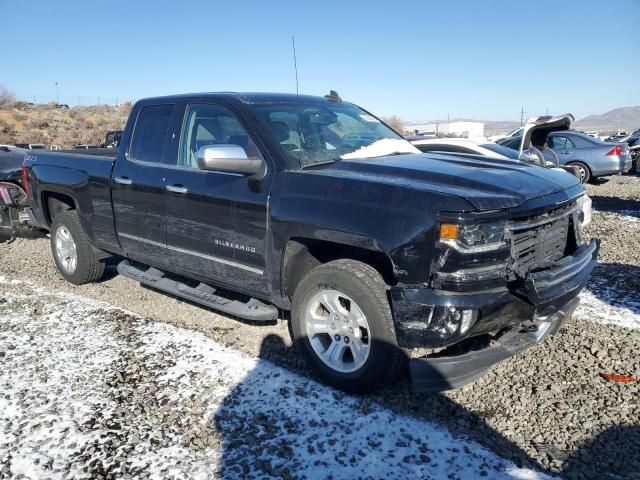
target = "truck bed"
x: 98, y: 152
x: 85, y: 177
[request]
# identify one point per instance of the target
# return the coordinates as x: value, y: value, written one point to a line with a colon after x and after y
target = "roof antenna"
x: 333, y: 96
x: 295, y: 62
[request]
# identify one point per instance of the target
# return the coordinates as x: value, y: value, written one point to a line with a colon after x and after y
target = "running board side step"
x: 203, y: 294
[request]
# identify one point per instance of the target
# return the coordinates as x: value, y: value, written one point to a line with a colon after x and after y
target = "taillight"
x: 617, y: 150
x: 25, y: 178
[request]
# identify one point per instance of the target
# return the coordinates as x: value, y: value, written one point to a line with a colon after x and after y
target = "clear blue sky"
x: 419, y: 60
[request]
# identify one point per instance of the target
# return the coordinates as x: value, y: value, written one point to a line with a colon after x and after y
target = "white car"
x: 514, y: 133
x: 466, y: 146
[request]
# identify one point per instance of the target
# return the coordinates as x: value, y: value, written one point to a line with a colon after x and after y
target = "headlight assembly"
x: 472, y: 238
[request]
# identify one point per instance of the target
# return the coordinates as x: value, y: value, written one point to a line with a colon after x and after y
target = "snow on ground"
x: 87, y: 389
x: 630, y: 218
x: 606, y: 300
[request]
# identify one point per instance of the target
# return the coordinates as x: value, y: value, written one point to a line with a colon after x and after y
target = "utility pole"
x: 57, y: 94
x: 521, y: 116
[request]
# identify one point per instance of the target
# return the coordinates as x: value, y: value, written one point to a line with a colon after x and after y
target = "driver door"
x: 216, y: 222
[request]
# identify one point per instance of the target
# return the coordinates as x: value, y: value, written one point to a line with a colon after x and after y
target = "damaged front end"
x: 498, y: 285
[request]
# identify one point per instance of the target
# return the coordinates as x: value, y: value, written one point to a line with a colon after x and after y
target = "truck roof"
x: 245, y: 97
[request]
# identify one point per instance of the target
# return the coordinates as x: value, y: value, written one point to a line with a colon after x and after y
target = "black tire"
x: 368, y: 290
x: 88, y: 269
x: 584, y: 168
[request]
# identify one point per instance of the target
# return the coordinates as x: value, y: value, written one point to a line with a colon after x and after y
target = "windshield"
x: 311, y: 133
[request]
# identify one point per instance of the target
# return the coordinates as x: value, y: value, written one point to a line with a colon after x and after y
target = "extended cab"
x: 260, y: 204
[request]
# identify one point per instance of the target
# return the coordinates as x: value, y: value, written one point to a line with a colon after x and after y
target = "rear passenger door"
x: 138, y: 185
x: 564, y: 147
x: 216, y: 222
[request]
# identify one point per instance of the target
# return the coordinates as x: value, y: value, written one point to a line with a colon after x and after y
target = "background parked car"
x: 12, y: 196
x: 112, y: 139
x: 85, y: 146
x: 464, y: 145
x: 11, y: 159
x: 616, y: 136
x: 491, y: 150
x: 32, y: 146
x: 594, y: 158
x: 633, y: 140
x: 514, y: 133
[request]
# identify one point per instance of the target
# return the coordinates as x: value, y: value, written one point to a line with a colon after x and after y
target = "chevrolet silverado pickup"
x: 311, y: 209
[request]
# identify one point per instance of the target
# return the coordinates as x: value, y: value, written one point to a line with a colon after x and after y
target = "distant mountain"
x: 625, y: 118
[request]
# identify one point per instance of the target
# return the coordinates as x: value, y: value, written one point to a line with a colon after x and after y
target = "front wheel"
x: 72, y: 252
x: 342, y: 324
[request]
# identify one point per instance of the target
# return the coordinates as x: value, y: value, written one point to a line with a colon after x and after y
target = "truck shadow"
x: 266, y: 434
x: 617, y: 450
x: 8, y: 235
x: 625, y: 206
x: 273, y: 427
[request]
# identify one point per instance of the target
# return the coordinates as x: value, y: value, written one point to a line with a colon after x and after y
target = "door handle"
x: 176, y: 188
x: 123, y: 180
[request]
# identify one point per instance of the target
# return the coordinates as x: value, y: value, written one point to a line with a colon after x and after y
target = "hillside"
x: 625, y: 118
x: 51, y: 124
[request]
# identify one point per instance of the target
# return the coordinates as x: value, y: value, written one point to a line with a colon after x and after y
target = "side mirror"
x: 227, y: 158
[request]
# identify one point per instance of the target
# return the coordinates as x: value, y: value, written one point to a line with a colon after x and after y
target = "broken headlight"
x: 478, y: 237
x: 473, y: 256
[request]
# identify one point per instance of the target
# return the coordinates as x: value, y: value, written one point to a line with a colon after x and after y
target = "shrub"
x: 6, y: 97
x: 394, y: 122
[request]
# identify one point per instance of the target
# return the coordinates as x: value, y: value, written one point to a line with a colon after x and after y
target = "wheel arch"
x: 302, y: 254
x: 54, y: 202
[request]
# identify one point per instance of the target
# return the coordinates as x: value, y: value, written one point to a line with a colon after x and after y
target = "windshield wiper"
x: 392, y: 154
x: 326, y: 162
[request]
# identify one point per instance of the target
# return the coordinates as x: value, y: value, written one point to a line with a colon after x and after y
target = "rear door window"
x: 561, y: 143
x: 150, y: 133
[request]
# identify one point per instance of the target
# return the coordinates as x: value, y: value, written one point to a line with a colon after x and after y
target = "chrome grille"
x: 539, y: 242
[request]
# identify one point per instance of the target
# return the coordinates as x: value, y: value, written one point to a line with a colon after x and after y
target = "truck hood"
x: 485, y: 183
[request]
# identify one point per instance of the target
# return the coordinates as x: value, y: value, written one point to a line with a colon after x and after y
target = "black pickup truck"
x: 310, y: 208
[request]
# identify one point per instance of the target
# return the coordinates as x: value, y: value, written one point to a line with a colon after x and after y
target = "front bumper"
x: 445, y: 373
x: 549, y: 294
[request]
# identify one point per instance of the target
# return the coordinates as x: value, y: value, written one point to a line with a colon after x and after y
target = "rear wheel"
x: 583, y: 169
x: 72, y: 252
x: 342, y: 323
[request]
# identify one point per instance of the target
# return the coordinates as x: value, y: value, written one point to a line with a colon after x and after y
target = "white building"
x: 457, y: 129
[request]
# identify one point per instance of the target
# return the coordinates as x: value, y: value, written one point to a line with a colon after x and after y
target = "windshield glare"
x: 311, y: 133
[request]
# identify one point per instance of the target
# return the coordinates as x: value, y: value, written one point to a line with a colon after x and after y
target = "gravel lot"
x: 548, y: 409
